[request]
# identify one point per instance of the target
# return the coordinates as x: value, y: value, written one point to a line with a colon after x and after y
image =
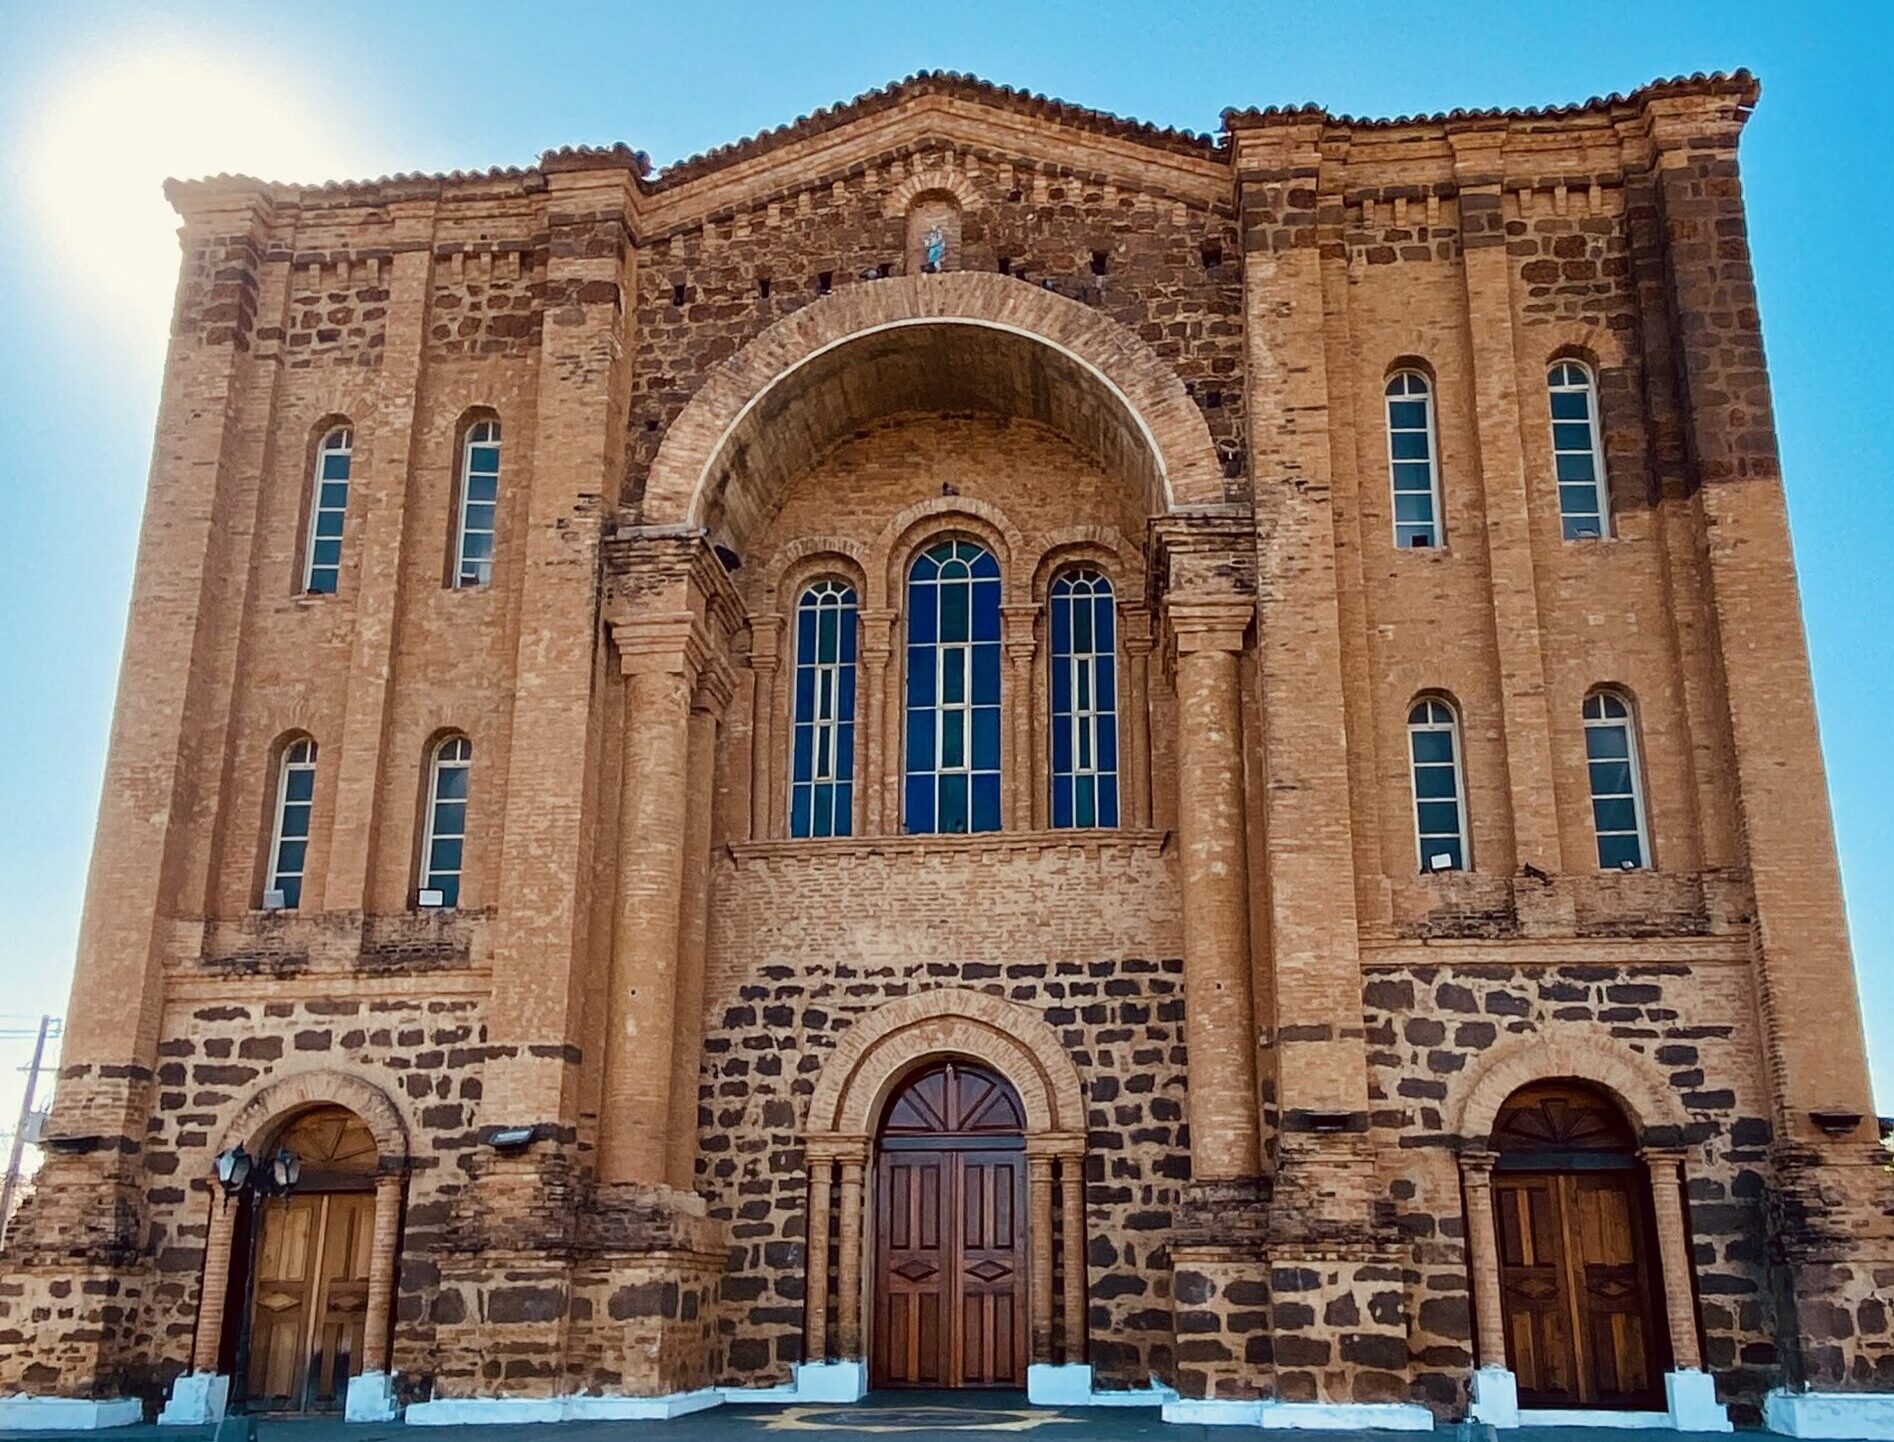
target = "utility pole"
x: 19, y: 1131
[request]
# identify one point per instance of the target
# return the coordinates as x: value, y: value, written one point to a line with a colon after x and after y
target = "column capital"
x: 1476, y: 1165
x: 1665, y: 1160
x: 877, y: 632
x: 1056, y: 1144
x: 836, y: 1147
x: 672, y: 642
x: 1134, y: 628
x: 1208, y: 623
x: 1017, y: 622
x: 716, y: 684
x: 766, y: 640
x: 1039, y: 1167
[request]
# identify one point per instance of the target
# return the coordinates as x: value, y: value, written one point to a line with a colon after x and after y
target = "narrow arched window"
x: 1440, y: 808
x: 1617, y: 792
x: 444, y: 845
x: 1413, y: 466
x: 328, y: 507
x: 1084, y: 700
x: 953, y: 658
x: 1578, y: 455
x: 289, y: 837
x: 479, y: 498
x: 822, y: 755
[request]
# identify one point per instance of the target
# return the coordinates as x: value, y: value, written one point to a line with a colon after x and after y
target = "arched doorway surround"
x: 354, y: 1146
x: 872, y: 1060
x: 964, y: 340
x: 1482, y: 1110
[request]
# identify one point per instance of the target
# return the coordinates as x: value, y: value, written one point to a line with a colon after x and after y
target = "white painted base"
x: 1693, y: 1404
x: 1069, y: 1384
x: 477, y: 1411
x: 829, y: 1382
x: 1829, y: 1414
x: 21, y: 1413
x: 1289, y: 1416
x: 197, y: 1400
x: 1588, y: 1417
x: 371, y: 1399
x: 1495, y: 1397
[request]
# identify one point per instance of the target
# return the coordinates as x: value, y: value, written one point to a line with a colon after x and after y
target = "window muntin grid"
x: 1084, y: 700
x: 295, y: 803
x: 822, y: 743
x: 444, y: 844
x: 953, y: 682
x: 1578, y: 453
x: 479, y: 502
x: 1433, y: 738
x: 1413, y: 460
x: 1617, y: 792
x: 328, y: 508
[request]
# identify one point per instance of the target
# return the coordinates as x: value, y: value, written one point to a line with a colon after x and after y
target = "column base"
x: 1829, y: 1414
x: 1495, y: 1397
x: 197, y: 1399
x: 371, y: 1398
x: 497, y: 1411
x: 23, y: 1413
x: 1300, y: 1416
x: 1069, y: 1384
x: 831, y: 1382
x: 1691, y: 1397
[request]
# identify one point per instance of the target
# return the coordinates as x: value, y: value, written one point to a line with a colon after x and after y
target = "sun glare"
x: 99, y: 151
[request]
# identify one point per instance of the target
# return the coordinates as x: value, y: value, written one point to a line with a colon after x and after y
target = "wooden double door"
x: 950, y: 1234
x: 309, y: 1307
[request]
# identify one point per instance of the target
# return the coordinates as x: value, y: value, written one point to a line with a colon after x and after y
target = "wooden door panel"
x: 913, y: 1262
x: 280, y: 1299
x: 342, y: 1303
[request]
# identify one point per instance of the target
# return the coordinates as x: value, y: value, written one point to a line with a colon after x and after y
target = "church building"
x: 970, y: 744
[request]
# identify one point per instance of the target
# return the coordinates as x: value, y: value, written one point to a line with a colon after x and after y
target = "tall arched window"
x: 1440, y: 808
x: 1084, y: 700
x: 1617, y: 793
x: 953, y: 760
x: 328, y: 506
x: 822, y: 756
x: 1413, y: 467
x: 479, y: 498
x: 289, y: 837
x: 1578, y: 455
x: 444, y: 846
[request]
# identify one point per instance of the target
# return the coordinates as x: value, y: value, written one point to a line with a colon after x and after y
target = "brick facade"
x: 1159, y: 355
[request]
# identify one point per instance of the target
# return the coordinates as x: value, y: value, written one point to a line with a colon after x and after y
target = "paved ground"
x: 912, y: 1417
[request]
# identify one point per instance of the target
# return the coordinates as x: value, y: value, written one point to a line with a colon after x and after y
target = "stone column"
x: 1673, y: 1250
x: 661, y: 657
x: 707, y: 705
x: 381, y: 1273
x: 1072, y: 1180
x: 765, y: 638
x: 891, y: 751
x: 1134, y: 727
x: 1016, y: 630
x: 1476, y: 1176
x: 873, y: 757
x: 848, y: 1300
x: 1039, y: 1249
x: 1220, y: 1030
x: 210, y: 1302
x: 815, y: 1336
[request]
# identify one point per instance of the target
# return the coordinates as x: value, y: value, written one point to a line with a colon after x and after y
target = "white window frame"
x: 1601, y: 700
x: 825, y: 724
x: 1601, y: 492
x: 1083, y: 719
x: 298, y: 756
x: 324, y: 449
x: 1452, y: 726
x: 438, y: 761
x: 483, y: 432
x: 1438, y: 527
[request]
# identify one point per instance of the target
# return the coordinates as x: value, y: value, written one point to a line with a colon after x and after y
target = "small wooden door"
x: 1575, y: 1252
x: 950, y: 1239
x: 309, y: 1271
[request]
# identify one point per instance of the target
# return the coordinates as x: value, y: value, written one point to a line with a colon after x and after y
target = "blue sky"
x: 99, y: 101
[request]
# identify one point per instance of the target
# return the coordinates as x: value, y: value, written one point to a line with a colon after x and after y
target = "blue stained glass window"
x: 1578, y: 458
x: 1433, y: 734
x: 444, y: 846
x: 1084, y: 700
x: 822, y: 747
x: 479, y: 495
x: 953, y: 701
x: 1617, y: 795
x: 1411, y: 460
x: 295, y: 800
x: 322, y: 559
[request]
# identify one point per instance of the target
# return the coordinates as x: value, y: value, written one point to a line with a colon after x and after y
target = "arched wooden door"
x: 308, y: 1306
x: 1577, y: 1252
x: 950, y: 1232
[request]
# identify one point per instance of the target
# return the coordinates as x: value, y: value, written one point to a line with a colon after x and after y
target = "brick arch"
x: 281, y: 1099
x: 789, y: 562
x: 1127, y: 376
x: 1110, y: 549
x: 935, y: 180
x: 894, y: 549
x: 1474, y: 1101
x: 878, y: 1050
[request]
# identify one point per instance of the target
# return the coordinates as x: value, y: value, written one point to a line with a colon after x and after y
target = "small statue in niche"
x: 933, y: 250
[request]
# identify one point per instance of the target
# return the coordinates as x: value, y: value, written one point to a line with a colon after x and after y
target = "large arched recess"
x: 958, y: 342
